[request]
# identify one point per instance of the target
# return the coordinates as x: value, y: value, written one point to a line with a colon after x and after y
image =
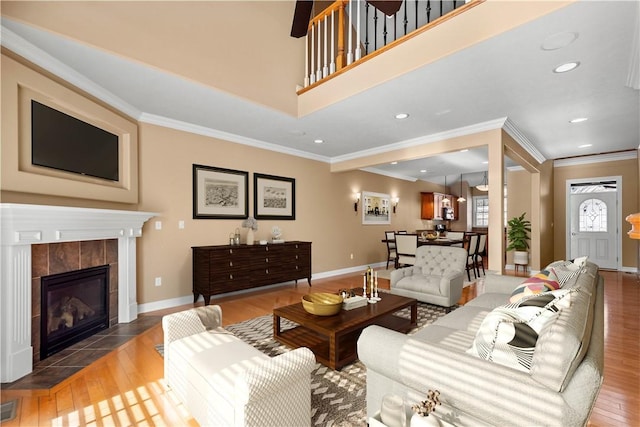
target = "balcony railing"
x: 367, y: 30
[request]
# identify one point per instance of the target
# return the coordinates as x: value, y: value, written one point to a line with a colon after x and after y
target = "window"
x: 593, y: 216
x: 480, y: 211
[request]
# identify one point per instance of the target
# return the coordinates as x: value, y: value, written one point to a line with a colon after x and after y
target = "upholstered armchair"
x: 223, y: 381
x: 436, y: 278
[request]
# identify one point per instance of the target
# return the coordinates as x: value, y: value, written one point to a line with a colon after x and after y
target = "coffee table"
x: 333, y: 339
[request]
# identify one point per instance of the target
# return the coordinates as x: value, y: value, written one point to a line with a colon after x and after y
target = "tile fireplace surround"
x: 26, y: 225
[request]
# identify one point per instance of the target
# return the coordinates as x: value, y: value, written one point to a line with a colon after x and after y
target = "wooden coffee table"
x: 333, y: 339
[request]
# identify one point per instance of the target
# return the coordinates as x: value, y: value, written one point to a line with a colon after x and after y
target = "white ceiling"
x: 509, y: 76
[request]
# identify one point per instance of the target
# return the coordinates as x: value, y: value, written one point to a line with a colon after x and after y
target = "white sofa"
x: 437, y: 277
x: 223, y: 381
x: 560, y: 389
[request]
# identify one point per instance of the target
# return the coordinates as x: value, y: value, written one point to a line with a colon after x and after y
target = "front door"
x: 594, y: 227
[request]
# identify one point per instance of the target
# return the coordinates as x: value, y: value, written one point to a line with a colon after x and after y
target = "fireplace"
x: 75, y: 305
x: 25, y: 225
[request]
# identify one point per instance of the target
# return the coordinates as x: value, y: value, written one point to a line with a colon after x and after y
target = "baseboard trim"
x: 188, y: 299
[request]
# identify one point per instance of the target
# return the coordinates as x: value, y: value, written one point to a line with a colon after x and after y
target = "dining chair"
x: 406, y: 245
x: 392, y: 255
x: 472, y: 250
x: 456, y: 235
x: 481, y: 252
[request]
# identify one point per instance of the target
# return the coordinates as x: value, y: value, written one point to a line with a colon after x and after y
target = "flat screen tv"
x: 63, y: 142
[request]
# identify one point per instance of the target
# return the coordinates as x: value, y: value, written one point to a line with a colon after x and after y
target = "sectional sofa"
x: 485, y: 371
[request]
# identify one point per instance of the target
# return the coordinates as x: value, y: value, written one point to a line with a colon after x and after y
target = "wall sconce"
x: 395, y: 203
x: 356, y: 200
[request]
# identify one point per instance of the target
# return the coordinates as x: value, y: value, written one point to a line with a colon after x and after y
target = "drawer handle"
x: 230, y: 263
x: 230, y: 251
x: 267, y: 271
x: 231, y: 276
x: 267, y: 249
x: 296, y: 256
x: 266, y: 260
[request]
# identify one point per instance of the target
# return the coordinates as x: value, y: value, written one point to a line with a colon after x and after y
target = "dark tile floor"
x: 60, y: 366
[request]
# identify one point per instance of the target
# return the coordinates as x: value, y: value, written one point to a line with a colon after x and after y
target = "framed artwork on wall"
x: 376, y: 208
x: 220, y: 193
x: 274, y: 197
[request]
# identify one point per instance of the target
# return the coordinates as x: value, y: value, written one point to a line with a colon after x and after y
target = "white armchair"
x: 223, y: 381
x: 437, y: 277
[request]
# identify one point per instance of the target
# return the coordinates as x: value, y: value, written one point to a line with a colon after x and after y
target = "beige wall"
x: 21, y: 85
x: 628, y: 169
x: 212, y: 42
x: 324, y: 208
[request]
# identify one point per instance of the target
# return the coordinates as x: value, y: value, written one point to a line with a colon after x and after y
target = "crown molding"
x: 522, y: 140
x: 37, y: 56
x: 597, y: 158
x: 422, y: 140
x: 390, y: 174
x: 213, y: 133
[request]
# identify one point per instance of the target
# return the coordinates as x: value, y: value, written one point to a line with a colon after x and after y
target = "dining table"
x: 440, y: 241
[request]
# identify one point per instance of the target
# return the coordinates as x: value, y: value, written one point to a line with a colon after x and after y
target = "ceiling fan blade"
x: 388, y: 7
x: 301, y: 18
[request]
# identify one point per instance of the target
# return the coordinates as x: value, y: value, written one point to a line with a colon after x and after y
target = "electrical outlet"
x: 158, y: 281
x: 158, y: 225
x: 181, y: 224
x: 351, y: 256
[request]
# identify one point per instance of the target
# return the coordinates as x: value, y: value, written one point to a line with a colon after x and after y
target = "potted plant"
x: 518, y: 238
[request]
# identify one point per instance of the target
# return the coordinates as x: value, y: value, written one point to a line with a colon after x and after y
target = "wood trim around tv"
x: 20, y: 85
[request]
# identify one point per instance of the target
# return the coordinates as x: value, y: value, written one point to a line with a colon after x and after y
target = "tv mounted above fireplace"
x: 60, y: 141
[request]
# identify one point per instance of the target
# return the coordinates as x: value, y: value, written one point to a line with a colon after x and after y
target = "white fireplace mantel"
x: 24, y: 225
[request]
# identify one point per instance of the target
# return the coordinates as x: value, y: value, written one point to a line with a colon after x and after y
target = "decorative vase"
x: 428, y: 421
x: 250, y: 237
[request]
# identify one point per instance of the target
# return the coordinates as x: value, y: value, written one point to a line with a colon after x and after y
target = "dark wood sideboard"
x: 228, y: 268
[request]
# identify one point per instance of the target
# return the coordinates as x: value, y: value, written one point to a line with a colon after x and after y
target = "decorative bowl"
x: 322, y: 303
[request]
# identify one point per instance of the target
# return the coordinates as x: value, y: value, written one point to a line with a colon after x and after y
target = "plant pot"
x: 521, y: 257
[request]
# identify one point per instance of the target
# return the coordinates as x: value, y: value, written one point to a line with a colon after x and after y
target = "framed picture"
x: 376, y: 208
x: 220, y: 193
x: 274, y: 197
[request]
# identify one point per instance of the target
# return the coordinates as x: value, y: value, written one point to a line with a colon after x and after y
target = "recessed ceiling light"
x: 318, y: 141
x: 579, y: 120
x: 423, y: 170
x: 401, y: 116
x: 566, y: 67
x: 584, y: 145
x: 464, y: 150
x: 394, y: 163
x: 486, y: 162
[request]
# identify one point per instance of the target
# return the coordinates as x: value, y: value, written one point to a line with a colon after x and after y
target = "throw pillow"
x: 580, y: 261
x: 508, y: 334
x: 566, y: 272
x: 544, y: 281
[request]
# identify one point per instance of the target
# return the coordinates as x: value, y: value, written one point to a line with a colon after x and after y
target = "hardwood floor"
x: 126, y: 387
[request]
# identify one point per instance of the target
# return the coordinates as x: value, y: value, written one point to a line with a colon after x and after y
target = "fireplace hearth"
x: 75, y: 305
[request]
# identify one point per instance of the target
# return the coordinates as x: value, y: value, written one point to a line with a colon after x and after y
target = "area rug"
x: 337, y: 397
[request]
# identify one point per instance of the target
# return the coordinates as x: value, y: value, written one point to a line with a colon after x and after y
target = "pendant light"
x: 461, y: 199
x: 485, y: 184
x: 445, y: 201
